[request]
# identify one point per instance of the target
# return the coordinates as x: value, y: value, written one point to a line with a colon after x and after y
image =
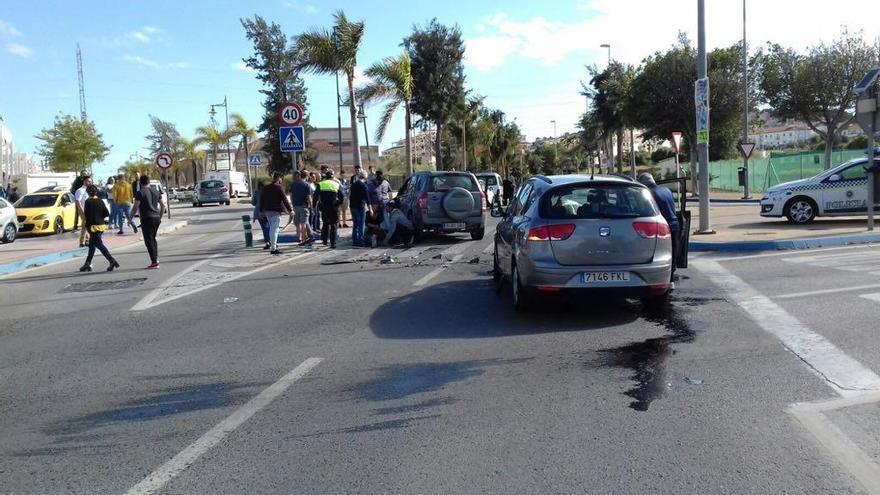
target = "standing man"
x: 507, y: 190
x: 301, y: 199
x: 380, y: 194
x: 148, y: 201
x: 77, y: 183
x: 370, y: 174
x: 123, y: 197
x: 108, y: 193
x: 346, y: 185
x: 13, y: 195
x: 81, y: 195
x: 328, y: 196
x: 666, y: 202
x: 4, y: 191
x: 357, y: 200
x: 273, y: 202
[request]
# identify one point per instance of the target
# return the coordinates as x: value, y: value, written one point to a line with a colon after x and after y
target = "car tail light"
x: 483, y: 200
x: 652, y: 230
x: 202, y: 191
x: 423, y: 204
x: 551, y: 232
x: 224, y: 190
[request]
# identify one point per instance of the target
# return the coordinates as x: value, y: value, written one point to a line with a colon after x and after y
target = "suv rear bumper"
x: 433, y: 225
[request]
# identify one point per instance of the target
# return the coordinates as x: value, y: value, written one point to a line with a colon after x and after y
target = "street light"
x: 363, y: 118
x: 608, y: 47
x: 226, y: 111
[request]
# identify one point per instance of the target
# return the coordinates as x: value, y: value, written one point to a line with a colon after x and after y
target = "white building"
x: 422, y: 148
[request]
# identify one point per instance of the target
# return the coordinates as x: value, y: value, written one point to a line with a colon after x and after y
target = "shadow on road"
x: 471, y: 309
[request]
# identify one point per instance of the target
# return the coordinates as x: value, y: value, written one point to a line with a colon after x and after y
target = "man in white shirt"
x: 81, y: 195
x: 398, y: 229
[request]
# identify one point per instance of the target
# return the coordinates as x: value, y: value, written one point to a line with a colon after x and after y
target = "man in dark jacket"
x: 358, y: 199
x: 150, y: 206
x: 666, y: 204
x: 94, y: 213
x: 328, y: 197
x: 273, y: 202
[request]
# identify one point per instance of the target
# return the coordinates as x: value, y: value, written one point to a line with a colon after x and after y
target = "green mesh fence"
x: 774, y: 169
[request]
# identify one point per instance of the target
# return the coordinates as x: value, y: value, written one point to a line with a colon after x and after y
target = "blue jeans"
x: 264, y: 226
x: 123, y: 213
x: 113, y: 212
x: 358, y: 224
x: 274, y: 226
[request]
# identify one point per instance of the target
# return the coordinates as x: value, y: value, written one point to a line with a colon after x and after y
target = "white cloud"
x: 360, y: 78
x: 8, y: 31
x: 241, y: 66
x: 305, y: 7
x: 638, y: 28
x: 19, y: 49
x: 146, y: 35
x: 152, y: 64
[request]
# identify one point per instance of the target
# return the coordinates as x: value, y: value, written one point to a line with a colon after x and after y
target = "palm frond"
x: 317, y: 53
x: 385, y: 120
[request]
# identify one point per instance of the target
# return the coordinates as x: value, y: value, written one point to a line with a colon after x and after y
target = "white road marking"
x: 793, y: 253
x: 490, y: 248
x: 845, y: 451
x: 168, y: 471
x: 872, y: 297
x: 843, y: 373
x: 795, y: 295
x: 151, y: 299
x: 433, y: 273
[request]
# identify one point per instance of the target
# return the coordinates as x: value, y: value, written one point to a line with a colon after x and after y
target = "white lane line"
x: 795, y: 295
x: 843, y: 373
x: 871, y: 297
x: 433, y: 273
x: 795, y: 253
x: 490, y: 248
x: 150, y: 300
x: 168, y: 471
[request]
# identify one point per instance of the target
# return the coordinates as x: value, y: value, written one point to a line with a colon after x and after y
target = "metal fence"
x: 775, y: 169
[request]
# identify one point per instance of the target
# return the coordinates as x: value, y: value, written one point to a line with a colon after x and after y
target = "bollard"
x: 248, y: 234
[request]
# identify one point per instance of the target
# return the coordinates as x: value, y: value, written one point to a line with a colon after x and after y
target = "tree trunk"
x: 620, y: 151
x: 438, y: 158
x: 408, y: 139
x: 352, y: 108
x: 829, y: 146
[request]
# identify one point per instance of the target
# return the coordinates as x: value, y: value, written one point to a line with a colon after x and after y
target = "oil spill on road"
x: 403, y: 380
x: 162, y: 403
x: 421, y: 406
x: 647, y: 359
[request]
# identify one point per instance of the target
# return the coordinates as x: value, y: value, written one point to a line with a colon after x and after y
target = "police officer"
x: 328, y: 197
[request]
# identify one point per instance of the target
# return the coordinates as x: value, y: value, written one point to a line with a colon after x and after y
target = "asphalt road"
x: 348, y: 372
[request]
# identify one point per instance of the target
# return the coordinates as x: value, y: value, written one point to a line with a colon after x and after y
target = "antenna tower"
x: 82, y: 90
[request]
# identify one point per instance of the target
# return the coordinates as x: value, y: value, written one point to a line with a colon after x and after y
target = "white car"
x: 840, y: 191
x: 491, y: 184
x: 8, y: 222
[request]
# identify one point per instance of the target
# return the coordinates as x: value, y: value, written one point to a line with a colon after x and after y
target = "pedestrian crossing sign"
x: 291, y: 139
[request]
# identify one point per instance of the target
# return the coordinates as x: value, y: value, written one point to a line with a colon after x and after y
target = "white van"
x: 237, y: 181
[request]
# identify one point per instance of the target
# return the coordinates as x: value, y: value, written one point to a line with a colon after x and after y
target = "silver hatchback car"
x: 576, y: 234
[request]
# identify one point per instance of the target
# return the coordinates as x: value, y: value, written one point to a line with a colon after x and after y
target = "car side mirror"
x: 497, y: 212
x: 834, y: 178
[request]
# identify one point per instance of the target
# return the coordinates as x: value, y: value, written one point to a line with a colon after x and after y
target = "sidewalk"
x: 27, y: 252
x: 739, y: 227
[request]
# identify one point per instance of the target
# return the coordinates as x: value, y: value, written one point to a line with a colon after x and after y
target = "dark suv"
x: 444, y: 202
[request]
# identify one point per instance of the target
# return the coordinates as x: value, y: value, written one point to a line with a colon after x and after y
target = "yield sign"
x: 676, y: 141
x: 746, y: 149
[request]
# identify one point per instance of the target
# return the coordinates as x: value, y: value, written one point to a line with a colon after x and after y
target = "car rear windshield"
x: 490, y: 179
x: 211, y: 184
x: 37, y: 201
x: 440, y: 183
x: 585, y: 201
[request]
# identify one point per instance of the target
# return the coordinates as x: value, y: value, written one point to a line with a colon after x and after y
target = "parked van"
x: 236, y: 181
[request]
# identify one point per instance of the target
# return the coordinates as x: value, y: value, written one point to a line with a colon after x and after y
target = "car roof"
x: 561, y: 180
x: 45, y: 193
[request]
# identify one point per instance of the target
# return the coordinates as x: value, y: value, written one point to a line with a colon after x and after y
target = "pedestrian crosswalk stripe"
x: 872, y: 297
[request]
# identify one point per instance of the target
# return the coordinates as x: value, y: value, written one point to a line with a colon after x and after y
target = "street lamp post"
x: 745, y: 56
x: 363, y: 118
x: 703, y: 148
x: 226, y: 112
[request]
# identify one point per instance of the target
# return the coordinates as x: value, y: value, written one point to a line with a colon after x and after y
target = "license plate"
x: 454, y: 226
x: 602, y: 277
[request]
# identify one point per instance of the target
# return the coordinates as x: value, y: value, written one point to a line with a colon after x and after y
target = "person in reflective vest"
x: 328, y: 197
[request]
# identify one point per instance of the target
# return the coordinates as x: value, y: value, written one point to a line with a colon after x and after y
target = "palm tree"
x: 392, y: 81
x: 190, y: 151
x: 241, y: 128
x: 210, y: 135
x: 330, y: 52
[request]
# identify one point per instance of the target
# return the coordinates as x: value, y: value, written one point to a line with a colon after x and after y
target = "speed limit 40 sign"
x: 291, y: 114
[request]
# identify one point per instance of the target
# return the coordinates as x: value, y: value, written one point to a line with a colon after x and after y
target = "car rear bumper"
x: 212, y: 199
x: 643, y: 278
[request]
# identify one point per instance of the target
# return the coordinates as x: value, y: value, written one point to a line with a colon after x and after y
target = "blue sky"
x: 175, y: 59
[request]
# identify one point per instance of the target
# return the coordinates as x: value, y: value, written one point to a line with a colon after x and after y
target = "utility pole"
x: 363, y: 118
x: 745, y: 56
x: 82, y: 90
x: 703, y: 147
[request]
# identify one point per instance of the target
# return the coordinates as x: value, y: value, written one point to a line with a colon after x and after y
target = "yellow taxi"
x: 46, y: 211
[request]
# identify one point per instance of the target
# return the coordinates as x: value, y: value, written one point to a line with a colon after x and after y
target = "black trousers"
x: 149, y: 227
x: 402, y: 235
x: 329, y: 219
x: 96, y: 242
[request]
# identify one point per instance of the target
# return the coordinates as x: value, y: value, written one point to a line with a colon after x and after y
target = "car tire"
x: 800, y: 210
x: 497, y: 276
x: 9, y: 233
x: 58, y: 226
x: 478, y: 234
x: 522, y: 299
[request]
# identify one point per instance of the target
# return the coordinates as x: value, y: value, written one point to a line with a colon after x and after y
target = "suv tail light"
x: 483, y: 200
x: 224, y: 190
x: 202, y: 191
x: 652, y: 230
x: 423, y: 204
x: 551, y: 232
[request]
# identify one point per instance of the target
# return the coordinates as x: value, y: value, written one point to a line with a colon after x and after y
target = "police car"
x: 840, y: 191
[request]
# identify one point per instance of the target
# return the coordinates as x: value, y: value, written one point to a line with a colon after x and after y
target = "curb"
x: 783, y: 244
x: 17, y: 266
x: 728, y: 201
